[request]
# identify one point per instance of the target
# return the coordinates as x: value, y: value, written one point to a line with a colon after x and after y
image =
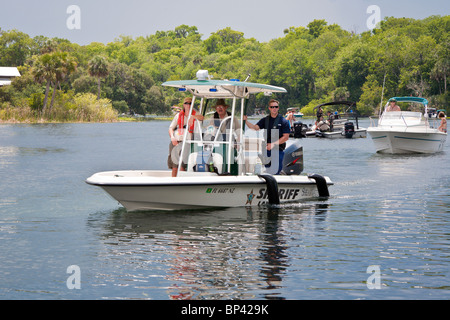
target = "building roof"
x: 9, y: 72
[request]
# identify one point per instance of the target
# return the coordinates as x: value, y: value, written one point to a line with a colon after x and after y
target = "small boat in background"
x: 298, y: 129
x: 295, y: 113
x: 337, y: 124
x: 400, y: 132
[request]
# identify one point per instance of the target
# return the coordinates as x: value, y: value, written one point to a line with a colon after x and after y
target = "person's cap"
x: 221, y: 102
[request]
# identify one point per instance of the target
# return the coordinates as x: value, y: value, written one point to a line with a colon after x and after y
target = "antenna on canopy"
x: 382, y: 94
x: 248, y: 76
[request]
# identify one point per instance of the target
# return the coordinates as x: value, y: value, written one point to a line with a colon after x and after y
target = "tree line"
x: 317, y: 63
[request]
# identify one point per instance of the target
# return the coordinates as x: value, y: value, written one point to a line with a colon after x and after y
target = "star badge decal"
x: 250, y: 198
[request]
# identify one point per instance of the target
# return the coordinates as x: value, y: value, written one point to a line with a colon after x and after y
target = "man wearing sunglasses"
x: 276, y: 134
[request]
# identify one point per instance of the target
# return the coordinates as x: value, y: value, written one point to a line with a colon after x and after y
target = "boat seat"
x: 216, y: 158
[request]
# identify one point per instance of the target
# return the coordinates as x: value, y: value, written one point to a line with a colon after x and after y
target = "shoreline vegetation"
x: 65, y: 82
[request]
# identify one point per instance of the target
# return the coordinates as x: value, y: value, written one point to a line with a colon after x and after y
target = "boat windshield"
x: 401, y: 118
x: 217, y: 139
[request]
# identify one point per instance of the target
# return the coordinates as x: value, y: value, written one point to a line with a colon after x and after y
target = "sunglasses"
x: 187, y: 103
x: 271, y: 107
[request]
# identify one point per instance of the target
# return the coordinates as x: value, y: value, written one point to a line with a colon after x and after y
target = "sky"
x: 106, y: 20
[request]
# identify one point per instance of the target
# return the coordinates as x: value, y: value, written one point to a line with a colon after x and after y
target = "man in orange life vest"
x: 176, y: 133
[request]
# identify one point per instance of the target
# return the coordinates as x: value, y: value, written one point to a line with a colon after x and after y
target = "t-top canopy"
x: 411, y: 99
x: 223, y: 88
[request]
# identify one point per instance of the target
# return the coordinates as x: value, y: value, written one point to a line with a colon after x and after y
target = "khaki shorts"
x: 175, y: 150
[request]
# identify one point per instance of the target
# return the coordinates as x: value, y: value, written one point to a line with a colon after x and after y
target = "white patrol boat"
x: 223, y: 169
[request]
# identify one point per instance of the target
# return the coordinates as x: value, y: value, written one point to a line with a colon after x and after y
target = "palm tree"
x: 64, y: 64
x: 98, y: 67
x: 52, y: 68
x: 44, y: 71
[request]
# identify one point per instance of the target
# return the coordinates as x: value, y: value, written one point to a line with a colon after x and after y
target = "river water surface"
x: 383, y: 234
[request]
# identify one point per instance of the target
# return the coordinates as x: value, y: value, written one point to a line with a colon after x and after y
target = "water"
x: 390, y: 213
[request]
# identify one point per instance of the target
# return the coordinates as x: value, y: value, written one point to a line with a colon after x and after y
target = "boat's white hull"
x: 407, y: 141
x: 359, y: 133
x: 156, y: 190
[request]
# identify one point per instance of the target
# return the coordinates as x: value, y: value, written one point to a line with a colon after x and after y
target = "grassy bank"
x: 66, y: 108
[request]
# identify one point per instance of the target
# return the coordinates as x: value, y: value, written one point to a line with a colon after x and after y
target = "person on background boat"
x: 276, y: 140
x: 393, y: 105
x: 176, y: 132
x: 323, y: 125
x: 319, y: 113
x: 443, y: 125
x: 331, y: 117
x: 290, y: 117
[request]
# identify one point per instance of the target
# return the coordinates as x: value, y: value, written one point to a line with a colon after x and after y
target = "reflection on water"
x: 225, y: 254
x: 404, y: 164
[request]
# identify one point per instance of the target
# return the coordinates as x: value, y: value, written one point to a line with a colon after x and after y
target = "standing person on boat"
x: 220, y: 115
x: 443, y: 125
x: 290, y: 117
x: 276, y: 134
x: 319, y: 113
x: 221, y: 111
x: 393, y: 105
x: 176, y: 133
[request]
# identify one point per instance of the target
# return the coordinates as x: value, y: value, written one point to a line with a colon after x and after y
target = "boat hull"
x: 156, y: 190
x: 404, y: 142
x: 359, y: 133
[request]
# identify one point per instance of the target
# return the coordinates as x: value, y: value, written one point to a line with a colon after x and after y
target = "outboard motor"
x: 293, y: 159
x: 300, y: 129
x: 349, y: 130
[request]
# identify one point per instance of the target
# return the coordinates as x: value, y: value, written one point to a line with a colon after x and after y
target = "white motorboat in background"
x: 220, y: 172
x: 400, y: 132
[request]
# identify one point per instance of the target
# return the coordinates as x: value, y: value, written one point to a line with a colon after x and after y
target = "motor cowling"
x: 349, y: 129
x: 300, y: 129
x: 293, y: 159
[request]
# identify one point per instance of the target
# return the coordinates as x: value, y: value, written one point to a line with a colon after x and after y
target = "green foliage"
x: 15, y: 48
x: 316, y: 27
x: 316, y: 64
x: 68, y: 107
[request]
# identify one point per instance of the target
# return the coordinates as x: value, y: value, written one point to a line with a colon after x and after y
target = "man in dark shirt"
x: 277, y: 133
